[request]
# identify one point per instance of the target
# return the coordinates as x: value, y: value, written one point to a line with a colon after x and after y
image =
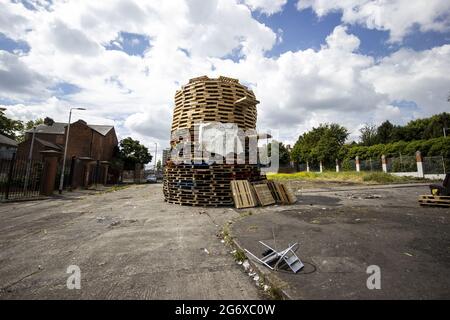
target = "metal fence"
x: 20, y: 178
x: 314, y: 166
x: 435, y: 165
x: 401, y: 164
x: 348, y: 165
x: 371, y: 164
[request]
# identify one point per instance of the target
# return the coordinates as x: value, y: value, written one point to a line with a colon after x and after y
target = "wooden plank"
x: 283, y: 196
x: 281, y: 193
x: 289, y: 193
x: 263, y: 194
x: 273, y: 190
x: 243, y: 194
x: 431, y: 200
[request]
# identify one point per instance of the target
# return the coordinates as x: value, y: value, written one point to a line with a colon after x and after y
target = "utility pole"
x: 156, y: 154
x: 61, y: 179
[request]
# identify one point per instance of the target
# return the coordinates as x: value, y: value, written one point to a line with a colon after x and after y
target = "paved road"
x: 129, y: 244
x: 341, y: 233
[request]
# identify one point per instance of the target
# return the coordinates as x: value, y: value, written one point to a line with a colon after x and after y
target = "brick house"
x: 7, y: 147
x: 90, y: 149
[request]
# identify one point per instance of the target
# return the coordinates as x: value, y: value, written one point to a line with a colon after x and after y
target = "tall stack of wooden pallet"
x: 204, y: 100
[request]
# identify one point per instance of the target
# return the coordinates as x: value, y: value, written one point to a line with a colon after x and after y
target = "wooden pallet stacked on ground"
x: 214, y: 100
x: 263, y: 194
x: 205, y: 185
x: 243, y: 194
x: 205, y: 100
x: 281, y: 193
x: 431, y: 200
x: 273, y: 191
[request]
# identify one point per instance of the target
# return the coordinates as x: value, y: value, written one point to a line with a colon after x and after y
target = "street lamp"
x: 61, y: 180
x: 30, y: 157
x: 156, y: 155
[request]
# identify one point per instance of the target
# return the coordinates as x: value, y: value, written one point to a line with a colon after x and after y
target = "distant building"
x: 8, y: 146
x: 165, y: 156
x: 89, y: 151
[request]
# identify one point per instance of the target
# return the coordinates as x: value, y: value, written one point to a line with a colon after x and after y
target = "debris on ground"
x: 372, y: 196
x: 408, y: 254
x: 114, y: 223
x: 275, y: 260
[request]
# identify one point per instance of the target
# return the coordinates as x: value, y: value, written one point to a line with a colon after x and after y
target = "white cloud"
x: 19, y: 80
x: 15, y: 19
x: 267, y: 7
x: 297, y: 90
x: 421, y: 77
x: 397, y: 16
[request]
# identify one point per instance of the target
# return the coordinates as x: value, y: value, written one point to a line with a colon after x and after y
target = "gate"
x: 20, y: 178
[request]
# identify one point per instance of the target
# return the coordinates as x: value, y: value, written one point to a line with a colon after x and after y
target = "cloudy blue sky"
x: 308, y: 61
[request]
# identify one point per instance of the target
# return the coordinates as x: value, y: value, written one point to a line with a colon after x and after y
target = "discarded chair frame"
x: 287, y: 256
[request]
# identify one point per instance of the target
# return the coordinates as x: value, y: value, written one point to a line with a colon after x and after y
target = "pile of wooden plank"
x: 205, y: 185
x: 248, y: 195
x: 204, y: 100
x: 432, y: 200
x: 214, y: 100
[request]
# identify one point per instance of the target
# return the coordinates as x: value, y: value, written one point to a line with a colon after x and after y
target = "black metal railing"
x: 20, y: 178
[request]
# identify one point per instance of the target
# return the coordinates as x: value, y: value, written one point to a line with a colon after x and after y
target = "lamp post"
x: 61, y: 180
x: 30, y: 157
x: 156, y: 155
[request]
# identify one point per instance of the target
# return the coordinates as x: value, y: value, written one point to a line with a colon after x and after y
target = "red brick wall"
x: 85, y: 142
x: 80, y: 138
x: 23, y: 149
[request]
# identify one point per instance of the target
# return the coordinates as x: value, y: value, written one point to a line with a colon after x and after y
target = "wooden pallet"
x: 209, y: 100
x: 438, y: 201
x: 243, y: 194
x: 263, y: 194
x: 291, y: 198
x: 281, y: 193
x: 205, y: 185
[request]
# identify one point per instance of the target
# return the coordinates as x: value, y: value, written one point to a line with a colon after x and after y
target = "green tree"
x: 158, y: 165
x: 27, y: 126
x: 368, y: 135
x: 384, y: 132
x: 322, y: 143
x: 9, y: 127
x: 131, y: 152
x: 283, y: 153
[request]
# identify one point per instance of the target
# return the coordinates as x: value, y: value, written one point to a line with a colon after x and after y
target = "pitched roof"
x: 48, y: 144
x: 7, y: 141
x: 102, y: 129
x: 59, y: 128
x: 55, y: 128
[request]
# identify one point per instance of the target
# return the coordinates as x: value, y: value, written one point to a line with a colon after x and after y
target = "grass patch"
x: 117, y: 188
x: 275, y: 293
x: 347, y: 176
x: 239, y: 255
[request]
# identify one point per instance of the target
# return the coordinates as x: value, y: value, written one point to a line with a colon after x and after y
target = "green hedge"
x: 432, y: 147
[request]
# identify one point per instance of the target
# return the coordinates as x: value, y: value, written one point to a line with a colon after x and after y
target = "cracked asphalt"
x: 128, y: 244
x: 342, y: 231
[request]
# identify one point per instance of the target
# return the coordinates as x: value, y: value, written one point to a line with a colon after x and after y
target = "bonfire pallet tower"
x: 201, y: 101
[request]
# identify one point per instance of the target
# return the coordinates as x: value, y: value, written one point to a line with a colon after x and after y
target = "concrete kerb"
x: 268, y: 277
